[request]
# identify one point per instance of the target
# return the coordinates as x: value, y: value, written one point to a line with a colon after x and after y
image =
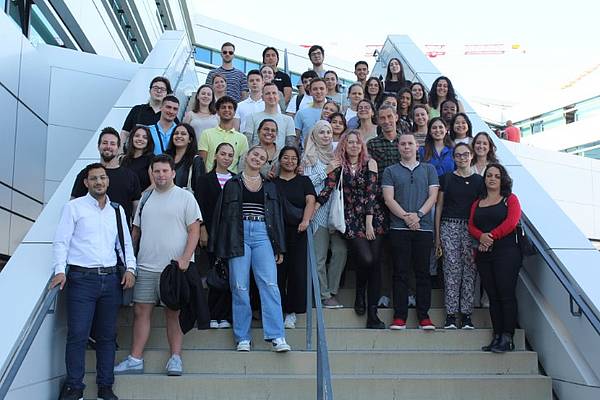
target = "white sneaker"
x: 243, y: 345
x: 485, y: 300
x: 214, y: 324
x: 290, y: 321
x: 174, y: 366
x: 412, y: 301
x: 129, y: 366
x: 224, y: 324
x: 280, y: 346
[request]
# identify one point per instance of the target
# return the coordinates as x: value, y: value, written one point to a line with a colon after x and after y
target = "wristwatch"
x: 420, y: 214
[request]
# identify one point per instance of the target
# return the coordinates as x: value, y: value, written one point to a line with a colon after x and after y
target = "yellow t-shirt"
x: 211, y: 138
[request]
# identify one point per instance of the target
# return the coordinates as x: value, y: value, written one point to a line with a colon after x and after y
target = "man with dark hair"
x: 85, y: 242
x: 237, y: 85
x: 147, y: 113
x: 303, y: 98
x: 384, y: 148
x: 410, y: 190
x: 270, y: 57
x: 224, y: 132
x: 316, y: 54
x: 361, y: 70
x: 449, y: 108
x: 124, y: 184
x: 161, y: 131
x: 254, y: 103
x: 167, y: 228
x: 306, y: 118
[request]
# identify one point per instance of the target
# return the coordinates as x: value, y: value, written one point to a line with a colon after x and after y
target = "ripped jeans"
x: 258, y: 253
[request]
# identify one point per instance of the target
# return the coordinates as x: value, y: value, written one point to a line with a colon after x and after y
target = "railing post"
x: 309, y: 291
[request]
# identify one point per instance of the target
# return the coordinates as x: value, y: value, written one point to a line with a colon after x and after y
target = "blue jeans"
x: 258, y: 252
x: 91, y: 296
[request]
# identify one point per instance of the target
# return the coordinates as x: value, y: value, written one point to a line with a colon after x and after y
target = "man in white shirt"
x: 286, y: 131
x: 254, y: 103
x: 85, y: 241
x: 167, y: 226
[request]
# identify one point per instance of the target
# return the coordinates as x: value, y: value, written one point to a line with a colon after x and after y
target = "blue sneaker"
x: 129, y: 366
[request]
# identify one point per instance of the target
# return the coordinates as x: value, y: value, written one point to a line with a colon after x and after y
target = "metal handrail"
x: 324, y: 388
x: 44, y: 307
x: 558, y: 269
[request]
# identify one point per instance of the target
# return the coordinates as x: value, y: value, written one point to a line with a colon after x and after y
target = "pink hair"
x: 340, y: 150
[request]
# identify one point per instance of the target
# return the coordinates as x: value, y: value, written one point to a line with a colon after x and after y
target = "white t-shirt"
x: 248, y: 107
x: 164, y: 222
x: 305, y: 102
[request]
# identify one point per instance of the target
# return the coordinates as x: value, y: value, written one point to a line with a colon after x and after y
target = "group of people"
x: 386, y: 171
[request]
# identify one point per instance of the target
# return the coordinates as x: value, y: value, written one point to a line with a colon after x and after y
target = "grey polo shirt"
x: 411, y: 190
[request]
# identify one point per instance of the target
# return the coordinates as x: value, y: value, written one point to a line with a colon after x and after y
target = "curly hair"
x: 505, y: 180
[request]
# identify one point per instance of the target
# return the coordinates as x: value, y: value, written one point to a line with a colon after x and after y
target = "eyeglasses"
x: 229, y: 52
x: 462, y: 155
x: 158, y: 89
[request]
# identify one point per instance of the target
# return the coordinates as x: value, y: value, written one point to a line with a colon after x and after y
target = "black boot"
x: 359, y: 302
x: 493, y: 343
x: 504, y: 344
x: 373, y: 321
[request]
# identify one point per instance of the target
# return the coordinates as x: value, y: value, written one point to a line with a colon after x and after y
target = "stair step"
x: 347, y: 387
x: 338, y: 318
x: 337, y: 339
x: 342, y: 362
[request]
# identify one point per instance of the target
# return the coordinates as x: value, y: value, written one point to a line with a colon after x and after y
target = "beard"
x: 107, y: 157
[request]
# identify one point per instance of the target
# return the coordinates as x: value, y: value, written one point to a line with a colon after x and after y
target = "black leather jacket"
x: 226, y: 238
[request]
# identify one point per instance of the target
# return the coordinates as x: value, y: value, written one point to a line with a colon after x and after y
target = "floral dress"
x: 360, y: 199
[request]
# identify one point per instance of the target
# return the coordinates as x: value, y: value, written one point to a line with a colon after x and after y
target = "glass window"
x: 537, y: 127
x: 202, y: 54
x: 250, y: 65
x: 216, y: 57
x: 239, y: 63
x: 295, y: 78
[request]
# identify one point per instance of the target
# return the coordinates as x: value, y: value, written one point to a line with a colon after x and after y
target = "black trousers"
x: 411, y: 250
x: 499, y: 270
x: 292, y: 272
x: 366, y: 255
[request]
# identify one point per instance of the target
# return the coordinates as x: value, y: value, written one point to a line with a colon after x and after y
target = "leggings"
x: 499, y: 270
x: 368, y: 268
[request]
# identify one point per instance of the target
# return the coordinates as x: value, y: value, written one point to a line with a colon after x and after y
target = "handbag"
x: 217, y: 276
x: 293, y: 215
x: 337, y: 220
x: 525, y: 244
x: 127, y: 298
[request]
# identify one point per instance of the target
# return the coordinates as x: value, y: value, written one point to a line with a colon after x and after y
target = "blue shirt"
x: 165, y: 136
x: 305, y: 119
x: 443, y: 162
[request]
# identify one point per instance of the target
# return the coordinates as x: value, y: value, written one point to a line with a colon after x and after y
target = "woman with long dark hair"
x: 437, y: 149
x: 334, y: 90
x: 419, y: 93
x: 365, y: 222
x: 461, y: 129
x: 140, y: 151
x: 355, y: 94
x: 458, y: 190
x: 189, y: 166
x: 299, y: 197
x: 405, y: 103
x: 210, y: 187
x: 203, y: 114
x: 485, y: 152
x: 394, y: 77
x: 367, y: 122
x: 493, y: 221
x: 420, y: 118
x: 338, y: 127
x: 441, y: 89
x: 374, y: 91
x: 249, y: 231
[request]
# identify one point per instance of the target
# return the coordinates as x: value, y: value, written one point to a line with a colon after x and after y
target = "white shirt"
x: 305, y: 102
x: 87, y: 236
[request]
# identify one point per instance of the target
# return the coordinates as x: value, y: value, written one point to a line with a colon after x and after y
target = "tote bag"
x: 337, y: 220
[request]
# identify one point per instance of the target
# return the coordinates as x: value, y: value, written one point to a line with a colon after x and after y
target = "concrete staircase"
x: 366, y: 364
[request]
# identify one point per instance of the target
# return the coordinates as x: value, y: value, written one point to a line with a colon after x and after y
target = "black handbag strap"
x: 120, y: 233
x: 162, y: 145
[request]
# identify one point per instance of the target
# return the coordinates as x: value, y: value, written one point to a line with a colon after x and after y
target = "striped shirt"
x: 236, y: 81
x: 317, y: 174
x: 223, y: 178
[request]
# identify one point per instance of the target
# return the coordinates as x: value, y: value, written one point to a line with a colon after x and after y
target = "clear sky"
x: 559, y: 38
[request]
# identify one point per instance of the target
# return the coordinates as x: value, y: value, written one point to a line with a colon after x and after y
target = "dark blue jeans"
x: 91, y: 296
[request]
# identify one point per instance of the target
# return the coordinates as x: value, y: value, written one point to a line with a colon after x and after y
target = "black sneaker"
x: 450, y: 322
x: 69, y: 393
x: 466, y: 322
x: 106, y: 393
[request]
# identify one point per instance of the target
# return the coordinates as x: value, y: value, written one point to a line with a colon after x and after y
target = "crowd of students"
x: 385, y: 171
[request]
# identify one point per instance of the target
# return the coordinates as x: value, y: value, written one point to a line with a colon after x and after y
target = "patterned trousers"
x: 459, y: 266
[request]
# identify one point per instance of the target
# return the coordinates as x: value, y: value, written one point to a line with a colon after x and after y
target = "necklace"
x: 251, y: 178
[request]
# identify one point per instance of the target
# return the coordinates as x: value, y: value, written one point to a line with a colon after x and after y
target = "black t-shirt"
x: 395, y: 86
x: 282, y: 80
x: 140, y: 166
x: 123, y: 188
x: 459, y: 194
x: 142, y: 114
x: 296, y: 189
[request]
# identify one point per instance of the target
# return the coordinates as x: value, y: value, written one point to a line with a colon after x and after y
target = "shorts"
x: 147, y: 287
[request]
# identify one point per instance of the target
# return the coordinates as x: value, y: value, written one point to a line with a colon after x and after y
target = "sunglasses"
x: 227, y: 52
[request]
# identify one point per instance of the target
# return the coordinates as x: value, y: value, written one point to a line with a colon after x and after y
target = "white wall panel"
x: 5, y: 199
x: 87, y: 100
x: 34, y: 88
x: 10, y: 53
x: 8, y: 122
x: 18, y: 230
x: 64, y: 146
x: 49, y: 189
x: 30, y: 154
x: 25, y: 206
x: 5, y: 231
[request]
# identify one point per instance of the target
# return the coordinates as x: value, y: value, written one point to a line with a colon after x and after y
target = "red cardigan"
x: 506, y: 227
